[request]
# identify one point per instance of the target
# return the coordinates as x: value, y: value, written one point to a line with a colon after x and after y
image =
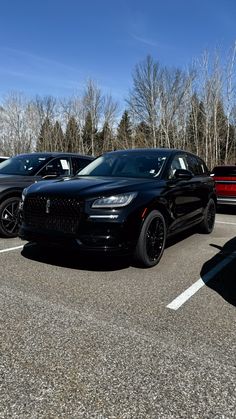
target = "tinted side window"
x: 57, y: 167
x: 196, y: 165
x: 79, y: 163
x: 204, y: 167
x: 178, y: 162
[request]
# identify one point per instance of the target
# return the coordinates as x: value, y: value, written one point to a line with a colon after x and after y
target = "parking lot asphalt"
x: 91, y: 337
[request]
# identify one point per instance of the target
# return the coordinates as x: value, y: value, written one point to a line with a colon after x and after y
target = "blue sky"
x: 53, y: 46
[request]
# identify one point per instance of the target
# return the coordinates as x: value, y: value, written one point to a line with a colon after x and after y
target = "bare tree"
x: 93, y: 104
x: 18, y: 131
x: 110, y: 111
x: 144, y: 97
x: 47, y: 107
x: 73, y: 107
x: 230, y: 94
x: 175, y: 92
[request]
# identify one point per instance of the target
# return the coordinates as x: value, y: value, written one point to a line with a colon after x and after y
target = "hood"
x: 15, y: 178
x: 15, y: 181
x: 92, y: 186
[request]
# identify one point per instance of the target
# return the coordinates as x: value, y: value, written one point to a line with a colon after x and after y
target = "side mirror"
x: 183, y: 174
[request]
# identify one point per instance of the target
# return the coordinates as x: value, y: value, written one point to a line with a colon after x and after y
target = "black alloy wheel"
x: 151, y: 242
x: 9, y: 210
x: 208, y: 222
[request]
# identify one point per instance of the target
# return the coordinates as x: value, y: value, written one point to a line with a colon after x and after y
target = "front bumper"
x: 92, y: 235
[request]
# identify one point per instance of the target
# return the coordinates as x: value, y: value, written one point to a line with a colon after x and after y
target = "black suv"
x: 127, y: 201
x: 20, y: 171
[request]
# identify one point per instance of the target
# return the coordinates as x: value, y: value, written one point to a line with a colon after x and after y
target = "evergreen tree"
x: 142, y: 136
x: 88, y: 132
x: 71, y: 143
x: 58, y: 137
x: 44, y: 141
x: 104, y: 139
x: 124, y: 131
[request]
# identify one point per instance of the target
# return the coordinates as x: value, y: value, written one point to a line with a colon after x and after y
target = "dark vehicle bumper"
x: 226, y: 200
x: 92, y: 236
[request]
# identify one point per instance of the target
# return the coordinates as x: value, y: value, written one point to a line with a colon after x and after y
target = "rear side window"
x: 224, y: 171
x: 196, y: 165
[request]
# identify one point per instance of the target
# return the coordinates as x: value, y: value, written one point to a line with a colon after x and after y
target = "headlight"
x: 21, y: 204
x: 114, y: 201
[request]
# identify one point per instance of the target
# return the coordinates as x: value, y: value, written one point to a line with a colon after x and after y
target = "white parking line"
x: 11, y: 248
x: 189, y: 292
x: 226, y: 222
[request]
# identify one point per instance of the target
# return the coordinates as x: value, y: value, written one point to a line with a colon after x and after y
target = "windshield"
x: 137, y: 165
x: 24, y: 165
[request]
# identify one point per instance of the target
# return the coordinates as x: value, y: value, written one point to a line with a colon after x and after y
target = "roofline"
x: 53, y: 154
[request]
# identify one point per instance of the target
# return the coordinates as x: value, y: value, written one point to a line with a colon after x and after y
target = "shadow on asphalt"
x: 223, y: 280
x: 171, y: 241
x: 71, y: 258
x: 226, y: 209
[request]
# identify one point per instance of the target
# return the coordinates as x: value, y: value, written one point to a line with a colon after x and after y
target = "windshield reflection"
x: 126, y: 165
x: 23, y: 165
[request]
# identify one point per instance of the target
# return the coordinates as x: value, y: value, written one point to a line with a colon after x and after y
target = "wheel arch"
x: 11, y: 193
x: 213, y: 196
x: 162, y: 208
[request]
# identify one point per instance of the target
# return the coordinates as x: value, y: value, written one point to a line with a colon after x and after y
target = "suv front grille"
x: 52, y: 213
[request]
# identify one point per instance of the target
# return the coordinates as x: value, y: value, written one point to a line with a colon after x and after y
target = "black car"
x: 127, y: 201
x: 20, y: 171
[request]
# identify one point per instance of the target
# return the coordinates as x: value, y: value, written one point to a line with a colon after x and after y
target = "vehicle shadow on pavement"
x: 71, y: 258
x: 226, y: 209
x: 219, y: 272
x: 176, y: 238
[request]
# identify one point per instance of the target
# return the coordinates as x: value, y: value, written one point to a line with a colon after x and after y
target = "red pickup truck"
x: 225, y: 182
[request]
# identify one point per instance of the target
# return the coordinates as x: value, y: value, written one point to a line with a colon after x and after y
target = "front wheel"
x: 9, y: 210
x: 151, y: 241
x: 208, y: 221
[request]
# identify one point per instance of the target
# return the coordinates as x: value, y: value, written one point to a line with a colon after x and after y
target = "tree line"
x: 192, y: 109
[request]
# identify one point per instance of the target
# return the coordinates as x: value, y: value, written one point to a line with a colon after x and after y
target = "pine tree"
x: 88, y: 132
x: 71, y: 143
x: 44, y: 141
x: 104, y: 140
x: 142, y: 136
x: 124, y: 131
x: 58, y: 137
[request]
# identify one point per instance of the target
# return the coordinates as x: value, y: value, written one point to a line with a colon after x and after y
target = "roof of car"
x: 55, y: 154
x: 147, y: 150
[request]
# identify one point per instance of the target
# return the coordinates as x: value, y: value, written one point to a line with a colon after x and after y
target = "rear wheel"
x: 151, y: 241
x: 9, y: 210
x: 208, y: 221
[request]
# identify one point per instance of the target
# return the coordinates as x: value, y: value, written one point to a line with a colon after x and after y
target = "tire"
x: 208, y: 222
x: 151, y: 241
x: 9, y: 217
